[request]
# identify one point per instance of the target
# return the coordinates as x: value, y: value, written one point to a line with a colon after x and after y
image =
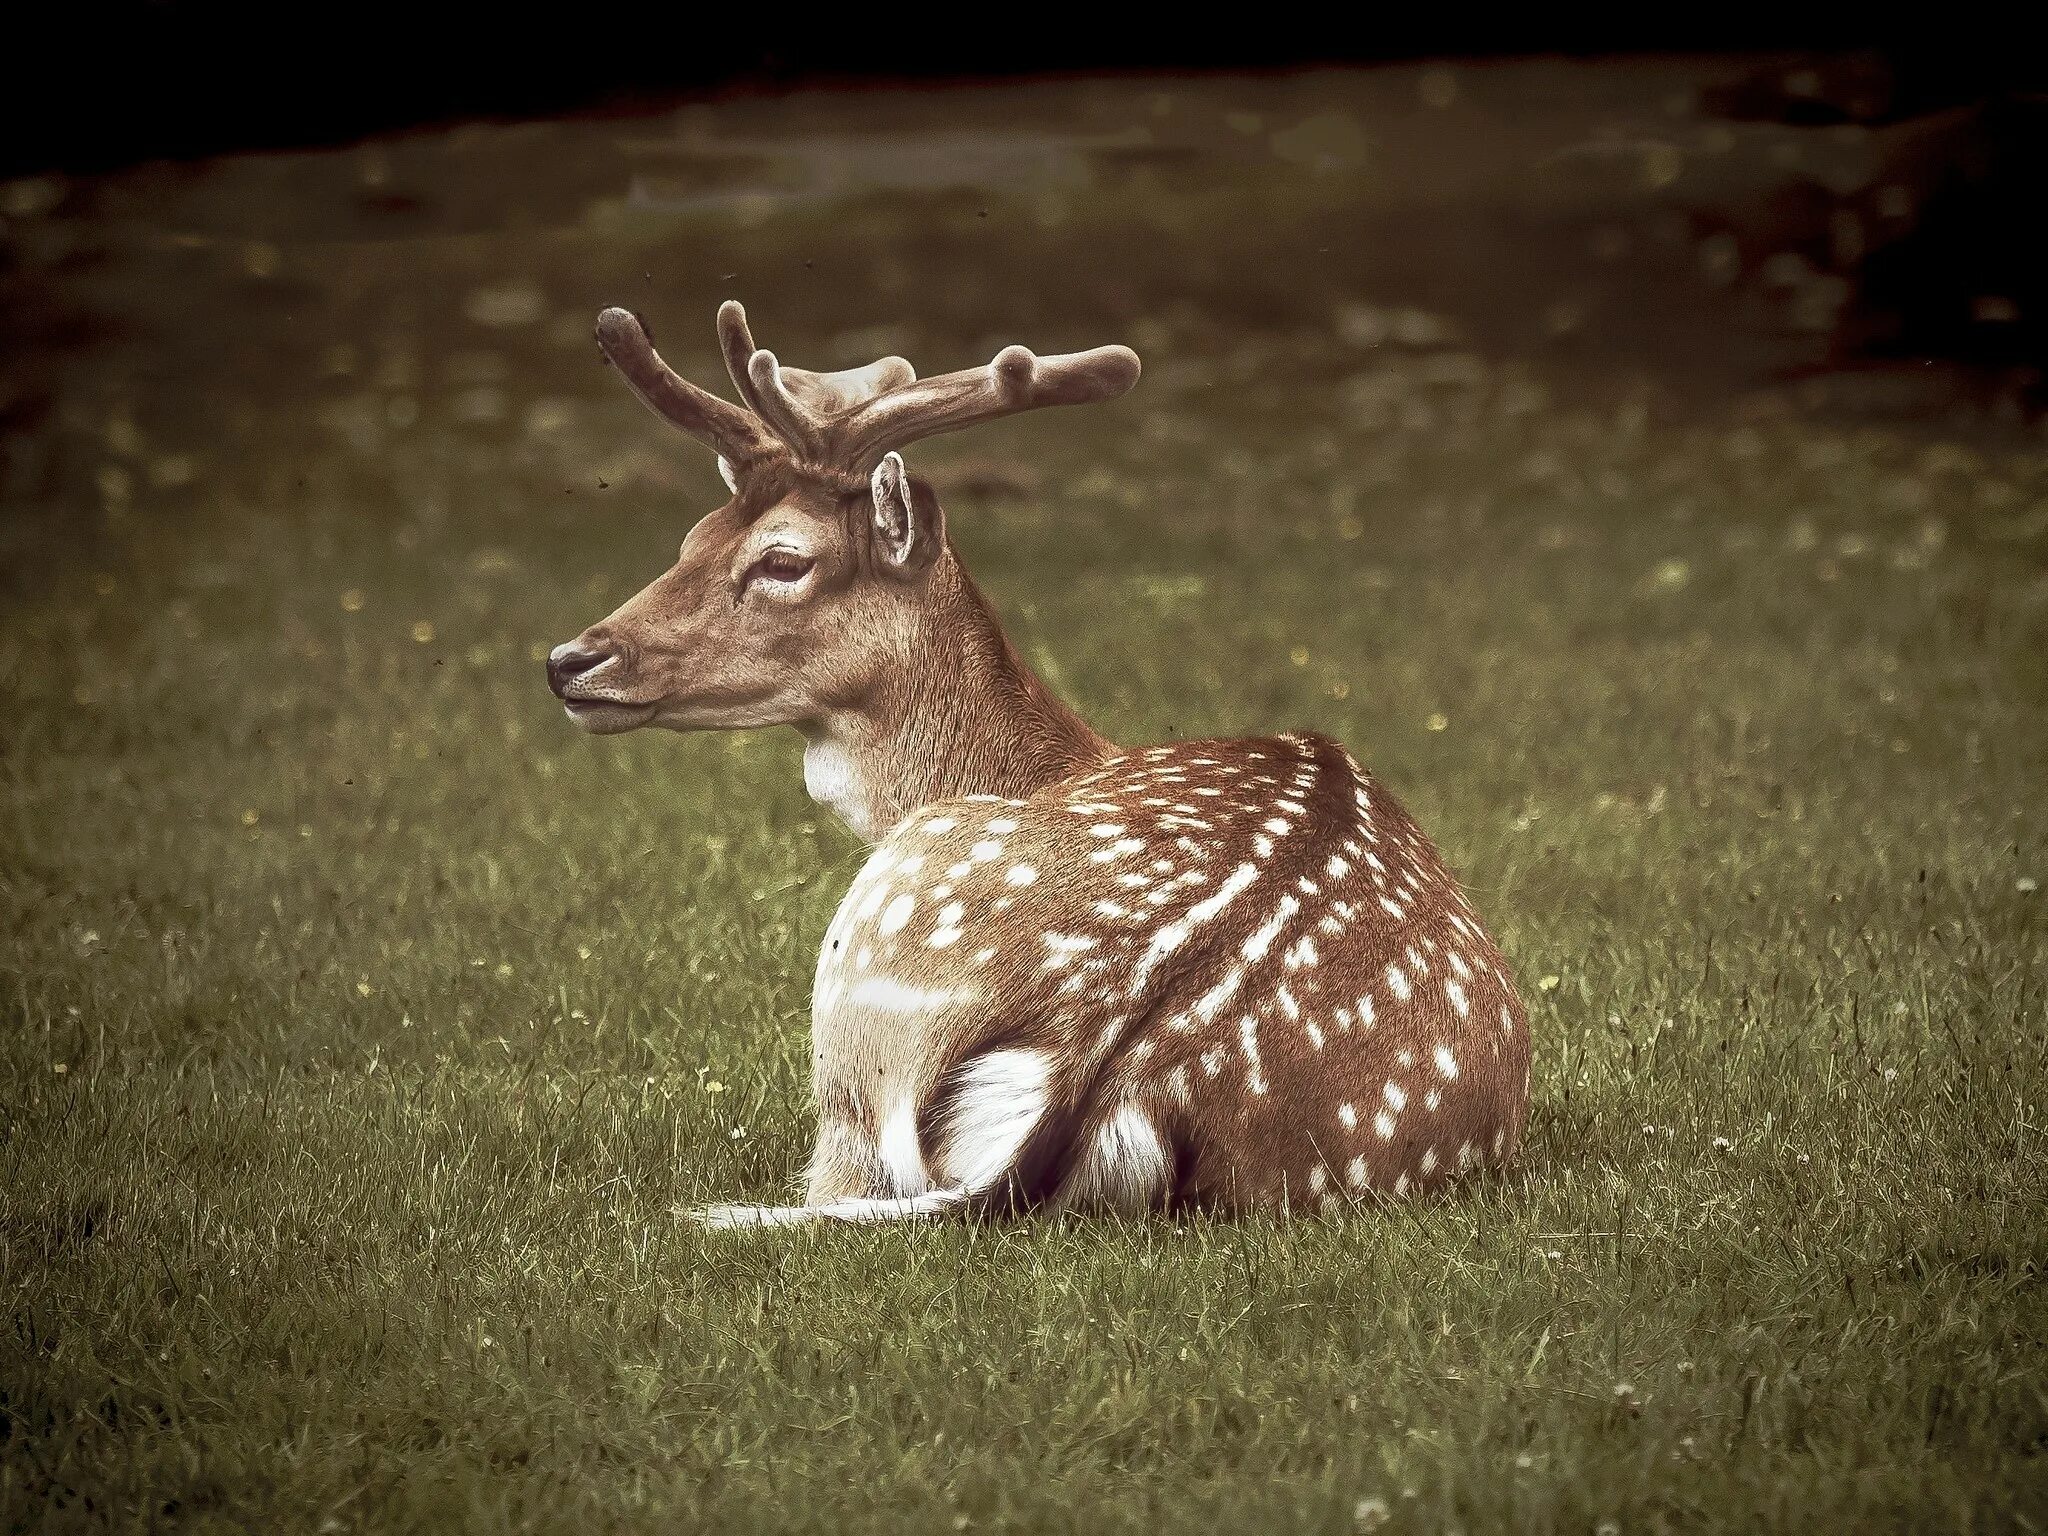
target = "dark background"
x: 98, y: 85
x: 103, y: 86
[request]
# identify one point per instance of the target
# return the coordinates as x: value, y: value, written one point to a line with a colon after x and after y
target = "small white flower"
x: 1370, y: 1514
x: 2026, y: 885
x: 1891, y: 1074
x: 1723, y: 1144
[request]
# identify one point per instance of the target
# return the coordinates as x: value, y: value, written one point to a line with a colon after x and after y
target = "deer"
x: 1231, y: 975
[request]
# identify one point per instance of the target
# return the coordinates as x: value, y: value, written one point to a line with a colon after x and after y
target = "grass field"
x: 364, y: 1026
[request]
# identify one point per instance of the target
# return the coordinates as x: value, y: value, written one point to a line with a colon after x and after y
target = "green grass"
x: 364, y: 1026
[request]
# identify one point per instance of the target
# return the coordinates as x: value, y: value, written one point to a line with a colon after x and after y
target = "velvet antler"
x: 725, y: 429
x: 847, y: 421
x: 1015, y: 381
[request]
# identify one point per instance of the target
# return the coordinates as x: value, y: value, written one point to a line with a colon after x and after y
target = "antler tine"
x: 834, y: 394
x: 758, y: 378
x: 1014, y: 381
x: 724, y: 428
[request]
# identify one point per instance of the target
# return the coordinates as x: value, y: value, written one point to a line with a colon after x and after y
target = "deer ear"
x: 910, y: 528
x: 725, y: 473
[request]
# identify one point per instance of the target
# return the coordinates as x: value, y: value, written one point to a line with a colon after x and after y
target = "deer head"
x: 801, y: 593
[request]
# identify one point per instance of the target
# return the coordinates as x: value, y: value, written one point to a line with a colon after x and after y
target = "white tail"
x: 1225, y: 973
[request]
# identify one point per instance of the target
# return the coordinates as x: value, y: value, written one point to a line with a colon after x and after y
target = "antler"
x: 847, y: 421
x: 1014, y: 381
x: 727, y: 430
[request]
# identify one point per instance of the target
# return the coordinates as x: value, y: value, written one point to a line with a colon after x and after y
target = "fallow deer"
x: 1226, y: 973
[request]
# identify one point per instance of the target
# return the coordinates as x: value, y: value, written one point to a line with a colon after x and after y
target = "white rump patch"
x: 1124, y: 1167
x: 999, y: 1103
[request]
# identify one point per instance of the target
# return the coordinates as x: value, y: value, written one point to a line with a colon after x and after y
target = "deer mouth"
x: 606, y: 717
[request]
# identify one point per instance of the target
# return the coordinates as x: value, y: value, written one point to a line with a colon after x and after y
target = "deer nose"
x: 568, y: 662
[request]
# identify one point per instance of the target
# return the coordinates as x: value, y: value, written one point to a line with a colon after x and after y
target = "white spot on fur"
x: 1064, y: 947
x: 1211, y: 1002
x: 1248, y: 1037
x: 893, y: 996
x: 1446, y: 1063
x: 1020, y: 874
x: 1174, y: 934
x: 1262, y: 940
x: 1397, y: 979
x: 1301, y: 953
x: 897, y: 913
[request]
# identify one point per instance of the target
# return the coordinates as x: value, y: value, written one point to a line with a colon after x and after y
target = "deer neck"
x: 960, y: 714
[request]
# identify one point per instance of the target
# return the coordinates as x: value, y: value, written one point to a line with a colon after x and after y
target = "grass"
x: 364, y: 1027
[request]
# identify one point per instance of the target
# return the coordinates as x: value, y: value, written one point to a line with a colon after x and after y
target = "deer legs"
x: 987, y: 1111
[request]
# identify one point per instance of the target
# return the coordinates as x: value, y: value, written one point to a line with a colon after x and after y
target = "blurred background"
x: 199, y: 193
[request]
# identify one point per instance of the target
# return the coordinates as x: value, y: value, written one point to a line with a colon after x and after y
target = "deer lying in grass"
x: 1231, y: 973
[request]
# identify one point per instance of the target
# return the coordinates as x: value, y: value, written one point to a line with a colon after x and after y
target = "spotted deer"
x: 1070, y: 975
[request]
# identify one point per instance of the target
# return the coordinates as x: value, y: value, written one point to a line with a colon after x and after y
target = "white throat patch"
x: 831, y: 779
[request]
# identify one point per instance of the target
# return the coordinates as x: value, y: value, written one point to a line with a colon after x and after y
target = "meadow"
x: 364, y: 1028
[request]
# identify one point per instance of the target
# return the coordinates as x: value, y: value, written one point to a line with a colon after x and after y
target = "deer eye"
x: 783, y: 565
